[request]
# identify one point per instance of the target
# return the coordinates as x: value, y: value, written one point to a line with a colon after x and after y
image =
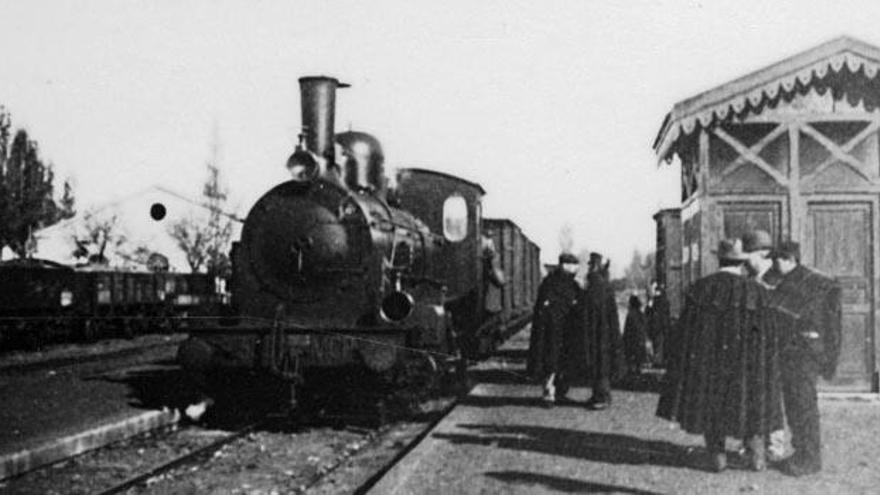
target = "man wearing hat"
x: 808, y: 308
x: 758, y: 244
x: 717, y: 381
x: 552, y: 320
x: 597, y: 350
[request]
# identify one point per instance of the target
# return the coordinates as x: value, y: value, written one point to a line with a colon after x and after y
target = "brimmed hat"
x: 568, y: 258
x: 787, y: 249
x: 757, y: 240
x: 731, y: 249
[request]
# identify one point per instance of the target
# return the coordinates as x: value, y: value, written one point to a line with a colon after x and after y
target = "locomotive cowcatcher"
x: 336, y: 268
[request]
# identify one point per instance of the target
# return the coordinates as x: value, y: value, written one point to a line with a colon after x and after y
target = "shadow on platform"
x: 336, y: 398
x: 503, y: 401
x: 155, y: 386
x: 560, y: 484
x: 520, y: 355
x: 648, y: 381
x: 500, y: 376
x: 608, y: 448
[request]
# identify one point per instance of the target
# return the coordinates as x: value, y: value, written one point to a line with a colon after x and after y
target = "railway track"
x: 181, y: 460
x: 264, y: 455
x: 296, y: 456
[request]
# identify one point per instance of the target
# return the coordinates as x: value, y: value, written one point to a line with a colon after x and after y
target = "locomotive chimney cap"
x: 339, y: 84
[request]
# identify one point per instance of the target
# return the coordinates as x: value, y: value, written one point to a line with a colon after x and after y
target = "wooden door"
x: 838, y: 241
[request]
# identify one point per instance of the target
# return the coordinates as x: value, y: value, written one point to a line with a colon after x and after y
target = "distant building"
x: 144, y: 219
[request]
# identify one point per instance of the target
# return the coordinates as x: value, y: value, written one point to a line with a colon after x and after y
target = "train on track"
x: 336, y: 267
x: 45, y: 302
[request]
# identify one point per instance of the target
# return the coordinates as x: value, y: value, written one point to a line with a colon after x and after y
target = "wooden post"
x: 708, y: 225
x: 703, y: 163
x: 795, y: 202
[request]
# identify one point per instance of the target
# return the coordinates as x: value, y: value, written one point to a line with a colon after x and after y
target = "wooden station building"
x: 793, y: 149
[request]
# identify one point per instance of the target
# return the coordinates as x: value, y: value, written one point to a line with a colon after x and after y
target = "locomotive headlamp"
x: 66, y: 298
x: 303, y: 166
x: 396, y: 306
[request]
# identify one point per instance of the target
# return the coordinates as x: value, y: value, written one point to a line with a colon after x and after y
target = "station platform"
x: 501, y: 439
x: 51, y: 414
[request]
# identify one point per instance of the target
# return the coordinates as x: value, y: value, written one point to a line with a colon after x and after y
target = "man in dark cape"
x: 551, y: 322
x: 634, y: 338
x: 596, y: 350
x: 659, y: 321
x: 757, y: 245
x: 809, y: 313
x: 722, y: 373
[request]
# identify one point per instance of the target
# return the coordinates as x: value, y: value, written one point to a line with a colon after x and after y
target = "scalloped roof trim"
x: 765, y: 84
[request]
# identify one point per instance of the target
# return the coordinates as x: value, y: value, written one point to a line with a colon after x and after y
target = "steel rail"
x: 183, y: 459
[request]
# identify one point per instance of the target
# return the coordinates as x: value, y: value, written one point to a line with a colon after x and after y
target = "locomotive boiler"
x: 334, y: 267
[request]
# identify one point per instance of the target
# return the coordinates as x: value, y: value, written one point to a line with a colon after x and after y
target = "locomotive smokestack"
x: 318, y: 111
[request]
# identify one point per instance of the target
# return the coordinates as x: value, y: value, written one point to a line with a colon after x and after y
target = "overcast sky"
x: 552, y: 106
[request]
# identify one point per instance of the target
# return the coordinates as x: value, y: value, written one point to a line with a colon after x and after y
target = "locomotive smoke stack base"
x: 318, y: 104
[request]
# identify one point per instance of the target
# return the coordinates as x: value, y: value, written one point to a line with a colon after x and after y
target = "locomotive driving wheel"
x: 417, y: 374
x: 88, y: 330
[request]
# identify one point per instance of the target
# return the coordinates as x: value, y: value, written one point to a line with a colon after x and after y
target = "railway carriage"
x: 43, y: 302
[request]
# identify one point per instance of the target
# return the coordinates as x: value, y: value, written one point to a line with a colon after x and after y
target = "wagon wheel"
x: 126, y: 326
x: 33, y: 335
x: 88, y: 330
x: 165, y: 320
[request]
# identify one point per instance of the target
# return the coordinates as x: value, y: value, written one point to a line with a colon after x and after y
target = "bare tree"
x: 100, y: 232
x: 639, y: 271
x: 206, y: 244
x: 566, y: 238
x: 192, y: 238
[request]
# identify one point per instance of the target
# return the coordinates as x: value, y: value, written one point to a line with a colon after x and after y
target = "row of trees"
x: 27, y: 191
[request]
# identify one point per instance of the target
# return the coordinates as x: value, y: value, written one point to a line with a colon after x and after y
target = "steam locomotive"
x: 335, y: 267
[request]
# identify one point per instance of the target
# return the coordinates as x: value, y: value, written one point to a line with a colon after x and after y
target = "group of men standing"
x: 576, y: 333
x: 743, y: 360
x: 753, y: 338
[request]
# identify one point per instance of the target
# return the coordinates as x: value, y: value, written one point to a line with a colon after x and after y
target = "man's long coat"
x: 724, y: 360
x: 552, y: 319
x: 596, y: 350
x: 809, y: 317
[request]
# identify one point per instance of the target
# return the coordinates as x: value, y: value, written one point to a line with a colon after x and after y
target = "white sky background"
x: 552, y: 106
